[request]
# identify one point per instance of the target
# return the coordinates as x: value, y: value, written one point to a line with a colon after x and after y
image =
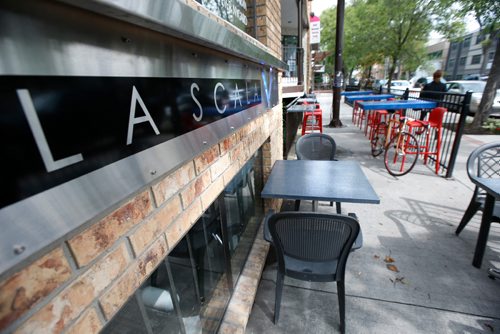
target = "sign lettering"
x: 55, y: 129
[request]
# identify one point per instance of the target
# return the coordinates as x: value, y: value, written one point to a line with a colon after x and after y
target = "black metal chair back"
x: 316, y: 146
x: 312, y: 247
x: 483, y: 162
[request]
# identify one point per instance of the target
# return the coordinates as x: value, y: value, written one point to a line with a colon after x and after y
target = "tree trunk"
x: 338, y: 79
x: 489, y: 91
x: 392, y: 69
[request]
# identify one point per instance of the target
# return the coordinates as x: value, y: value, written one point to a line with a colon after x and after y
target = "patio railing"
x: 453, y: 125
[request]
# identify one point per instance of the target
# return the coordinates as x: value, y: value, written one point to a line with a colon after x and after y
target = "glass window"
x: 491, y: 55
x: 467, y: 42
x: 480, y: 38
x: 453, y: 45
x: 451, y: 63
x: 189, y: 291
x: 198, y: 272
x: 462, y: 60
x: 244, y: 211
x: 476, y: 59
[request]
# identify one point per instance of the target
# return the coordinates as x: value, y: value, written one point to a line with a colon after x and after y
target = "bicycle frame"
x: 401, y: 148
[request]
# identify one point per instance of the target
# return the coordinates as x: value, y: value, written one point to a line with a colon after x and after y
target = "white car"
x: 477, y: 88
x: 398, y: 87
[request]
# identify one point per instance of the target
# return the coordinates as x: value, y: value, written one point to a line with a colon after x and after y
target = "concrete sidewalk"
x: 436, y: 288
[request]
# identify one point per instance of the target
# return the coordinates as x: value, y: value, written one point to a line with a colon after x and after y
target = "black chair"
x: 311, y: 247
x: 483, y: 162
x: 316, y: 146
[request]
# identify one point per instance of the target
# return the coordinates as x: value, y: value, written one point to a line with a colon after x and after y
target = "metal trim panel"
x: 45, y: 219
x: 57, y: 39
x: 179, y: 20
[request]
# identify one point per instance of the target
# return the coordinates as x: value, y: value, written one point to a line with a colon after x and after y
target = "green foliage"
x: 486, y: 12
x: 393, y: 29
x: 492, y: 125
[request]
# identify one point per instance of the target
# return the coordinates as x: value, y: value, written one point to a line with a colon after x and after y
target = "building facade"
x: 466, y: 59
x: 139, y: 136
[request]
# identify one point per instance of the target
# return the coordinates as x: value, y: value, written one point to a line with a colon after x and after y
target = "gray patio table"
x: 317, y: 180
x: 301, y: 108
x: 307, y: 100
x: 492, y: 188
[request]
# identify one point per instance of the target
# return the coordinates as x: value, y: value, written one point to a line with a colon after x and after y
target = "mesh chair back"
x: 316, y: 146
x: 314, y: 237
x: 484, y: 162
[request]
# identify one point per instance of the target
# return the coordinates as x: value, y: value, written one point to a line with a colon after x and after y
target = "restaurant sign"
x: 57, y: 128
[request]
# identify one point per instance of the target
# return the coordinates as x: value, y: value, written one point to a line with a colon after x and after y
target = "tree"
x: 487, y: 14
x: 393, y: 29
x: 407, y: 27
x: 359, y: 29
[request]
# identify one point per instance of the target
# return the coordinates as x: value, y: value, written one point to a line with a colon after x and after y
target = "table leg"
x: 484, y: 230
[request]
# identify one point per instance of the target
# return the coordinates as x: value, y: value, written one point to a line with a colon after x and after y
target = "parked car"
x: 421, y: 82
x: 398, y: 87
x: 378, y: 83
x: 477, y: 88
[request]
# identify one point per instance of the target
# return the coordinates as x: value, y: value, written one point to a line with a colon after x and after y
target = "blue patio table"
x: 392, y: 106
x: 357, y: 92
x: 492, y: 188
x: 372, y: 97
x: 318, y: 180
x: 397, y: 104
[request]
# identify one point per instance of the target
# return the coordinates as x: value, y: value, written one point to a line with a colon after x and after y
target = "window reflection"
x: 190, y: 290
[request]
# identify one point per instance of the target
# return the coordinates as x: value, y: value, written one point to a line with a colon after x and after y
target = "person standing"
x: 434, y: 86
x: 433, y: 91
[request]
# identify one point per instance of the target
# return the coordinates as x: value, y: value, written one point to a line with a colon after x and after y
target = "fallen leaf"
x: 376, y: 257
x: 389, y: 259
x: 392, y: 268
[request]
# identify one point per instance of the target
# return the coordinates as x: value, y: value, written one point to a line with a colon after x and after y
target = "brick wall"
x: 79, y: 285
x: 268, y: 17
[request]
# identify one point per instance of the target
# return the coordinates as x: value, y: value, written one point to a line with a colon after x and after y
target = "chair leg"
x: 438, y: 150
x: 341, y: 295
x: 297, y: 205
x: 337, y: 205
x: 469, y: 213
x: 277, y: 301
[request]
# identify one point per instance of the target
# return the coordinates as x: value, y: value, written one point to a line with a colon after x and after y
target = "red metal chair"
x: 356, y: 113
x: 435, y: 122
x: 312, y: 120
x: 375, y: 118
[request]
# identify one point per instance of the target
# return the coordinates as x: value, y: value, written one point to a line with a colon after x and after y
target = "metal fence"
x: 457, y: 106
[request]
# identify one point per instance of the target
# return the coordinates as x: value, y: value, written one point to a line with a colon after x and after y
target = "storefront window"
x: 190, y: 289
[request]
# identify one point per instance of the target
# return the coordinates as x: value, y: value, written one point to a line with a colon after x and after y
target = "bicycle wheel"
x: 378, y: 140
x: 401, y: 154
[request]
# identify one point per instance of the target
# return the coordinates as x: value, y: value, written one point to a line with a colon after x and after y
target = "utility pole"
x: 338, y: 78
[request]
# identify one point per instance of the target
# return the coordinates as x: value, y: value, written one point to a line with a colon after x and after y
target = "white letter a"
x: 133, y: 120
